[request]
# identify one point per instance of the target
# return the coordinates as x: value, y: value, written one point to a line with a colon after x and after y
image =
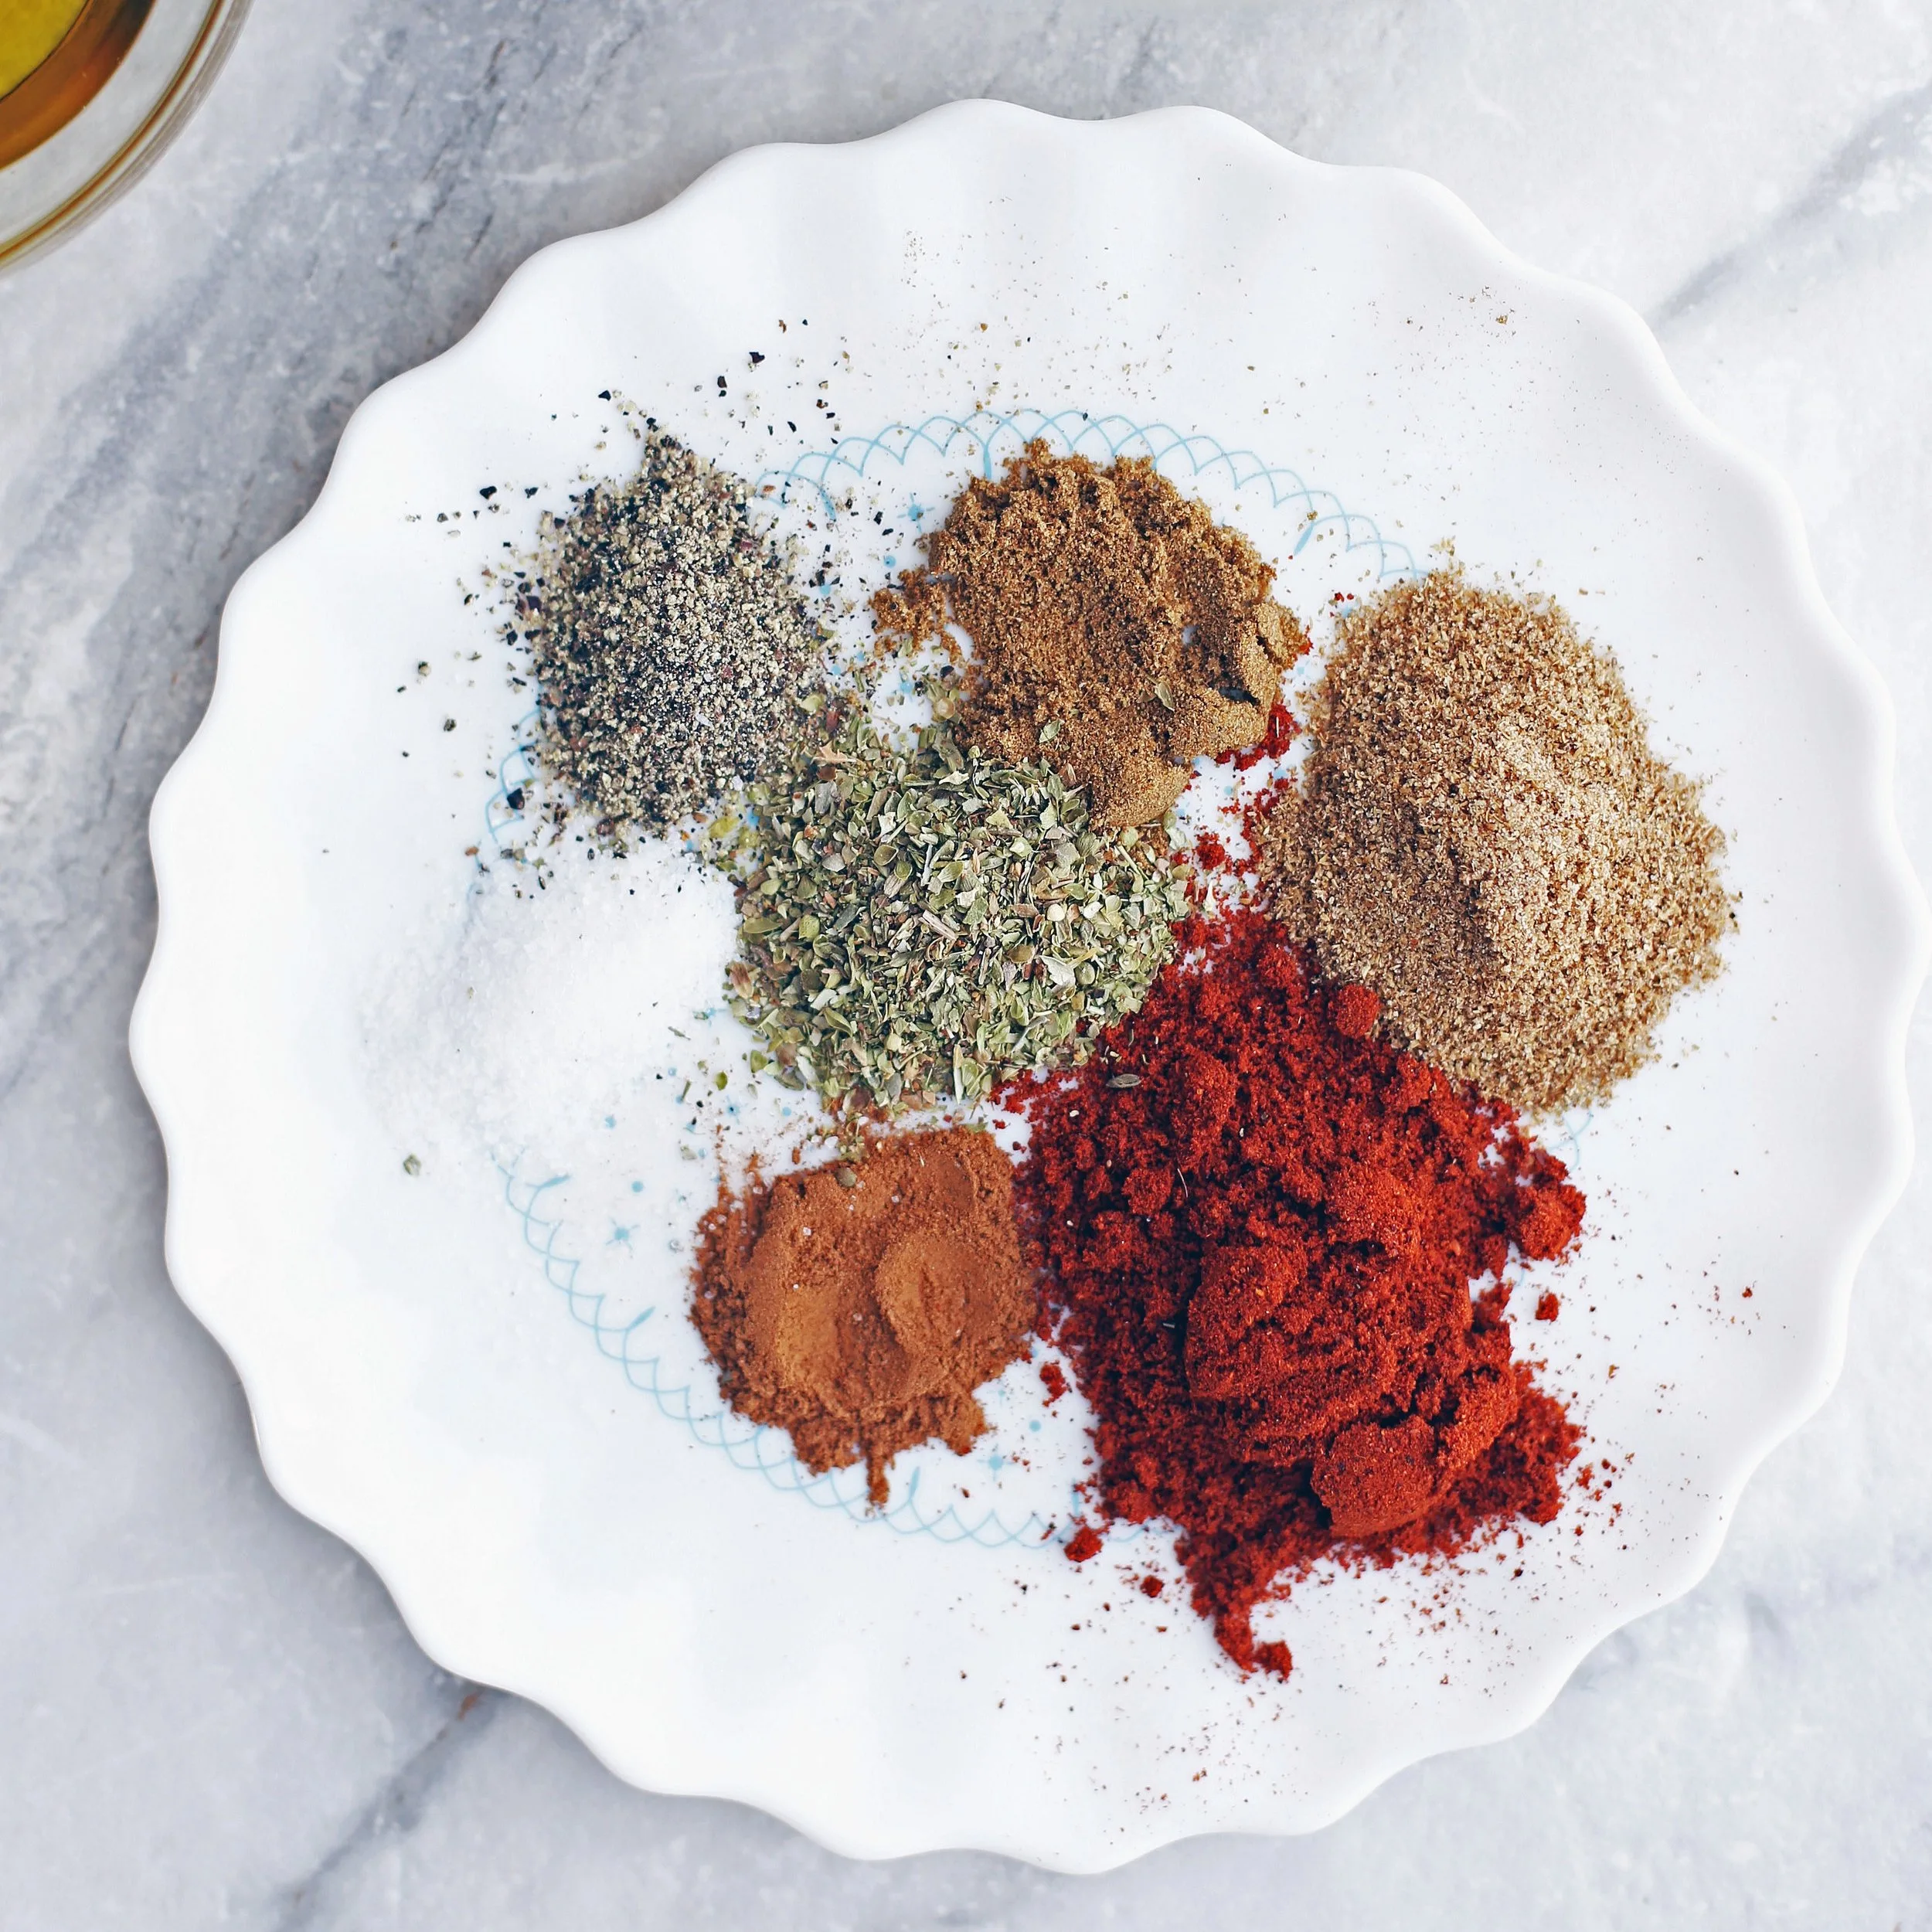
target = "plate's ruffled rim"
x: 216, y: 1288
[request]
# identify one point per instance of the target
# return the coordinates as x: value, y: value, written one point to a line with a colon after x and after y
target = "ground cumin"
x: 1117, y: 629
x: 859, y: 1307
x: 1482, y: 834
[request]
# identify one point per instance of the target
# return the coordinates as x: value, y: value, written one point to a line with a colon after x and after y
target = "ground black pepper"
x: 669, y: 639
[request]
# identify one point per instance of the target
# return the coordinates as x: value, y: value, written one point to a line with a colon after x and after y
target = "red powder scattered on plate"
x: 1261, y: 1227
x: 1211, y: 852
x: 1282, y: 732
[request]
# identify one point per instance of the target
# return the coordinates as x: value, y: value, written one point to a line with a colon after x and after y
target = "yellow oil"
x: 55, y: 56
x: 29, y: 31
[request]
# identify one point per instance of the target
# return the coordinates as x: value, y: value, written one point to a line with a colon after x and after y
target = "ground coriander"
x: 1482, y: 835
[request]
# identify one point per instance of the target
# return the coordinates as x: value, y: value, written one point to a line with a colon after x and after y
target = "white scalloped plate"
x: 495, y: 1397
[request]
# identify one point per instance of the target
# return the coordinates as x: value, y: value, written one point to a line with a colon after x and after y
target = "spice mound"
x: 1262, y: 1227
x: 1483, y: 836
x: 1116, y: 627
x: 925, y: 922
x: 859, y: 1307
x: 668, y: 640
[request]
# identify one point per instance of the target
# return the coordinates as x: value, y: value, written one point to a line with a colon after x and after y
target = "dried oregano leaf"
x: 923, y: 923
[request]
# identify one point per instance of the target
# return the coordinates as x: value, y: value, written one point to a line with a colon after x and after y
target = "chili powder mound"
x: 1261, y: 1227
x: 859, y: 1307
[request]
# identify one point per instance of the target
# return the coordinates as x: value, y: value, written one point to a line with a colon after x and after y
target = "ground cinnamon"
x: 859, y: 1306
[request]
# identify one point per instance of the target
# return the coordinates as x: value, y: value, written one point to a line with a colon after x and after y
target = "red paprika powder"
x: 1261, y: 1228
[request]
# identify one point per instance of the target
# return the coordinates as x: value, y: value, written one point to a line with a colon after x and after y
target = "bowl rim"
x: 144, y: 146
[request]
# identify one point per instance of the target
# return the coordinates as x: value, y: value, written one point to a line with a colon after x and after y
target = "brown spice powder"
x: 1482, y: 834
x: 1117, y: 628
x: 859, y: 1307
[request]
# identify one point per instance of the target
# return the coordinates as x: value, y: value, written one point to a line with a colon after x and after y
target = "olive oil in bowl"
x: 55, y: 56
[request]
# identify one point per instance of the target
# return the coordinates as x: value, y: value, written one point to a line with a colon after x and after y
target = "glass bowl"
x: 131, y: 117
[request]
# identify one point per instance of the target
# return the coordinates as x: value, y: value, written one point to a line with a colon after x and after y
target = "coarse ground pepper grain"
x: 859, y: 1306
x: 1117, y: 628
x: 669, y: 640
x: 1260, y: 1227
x: 1482, y: 834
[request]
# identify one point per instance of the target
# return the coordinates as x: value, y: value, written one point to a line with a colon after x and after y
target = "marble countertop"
x: 209, y: 1712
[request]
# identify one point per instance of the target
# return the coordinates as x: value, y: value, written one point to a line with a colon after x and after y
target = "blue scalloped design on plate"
x: 993, y: 436
x: 988, y: 438
x: 750, y: 1446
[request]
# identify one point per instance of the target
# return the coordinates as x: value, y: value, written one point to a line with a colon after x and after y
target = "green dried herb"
x: 924, y: 924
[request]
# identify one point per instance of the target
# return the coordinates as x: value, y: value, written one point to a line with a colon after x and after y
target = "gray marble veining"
x: 210, y: 1712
